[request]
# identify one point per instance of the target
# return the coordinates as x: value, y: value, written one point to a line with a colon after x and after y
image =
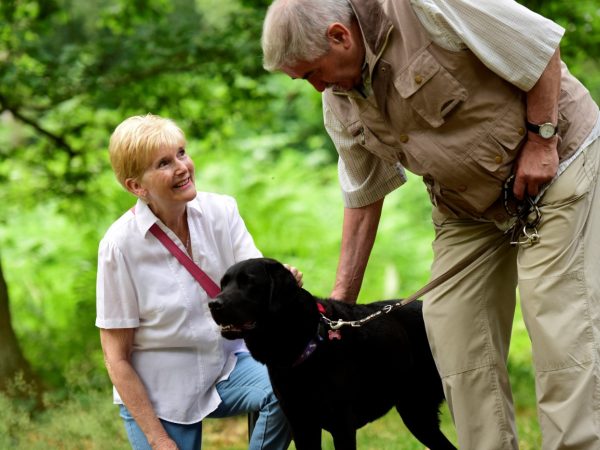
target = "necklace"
x: 188, y: 244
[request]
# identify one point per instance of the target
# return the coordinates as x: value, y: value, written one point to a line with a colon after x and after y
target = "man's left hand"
x: 536, y: 165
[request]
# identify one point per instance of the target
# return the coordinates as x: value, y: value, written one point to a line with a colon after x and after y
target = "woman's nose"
x: 181, y: 166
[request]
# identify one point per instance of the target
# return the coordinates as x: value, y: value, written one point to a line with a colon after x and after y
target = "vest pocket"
x: 430, y: 89
x: 366, y: 138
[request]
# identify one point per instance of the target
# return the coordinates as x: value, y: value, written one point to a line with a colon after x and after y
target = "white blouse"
x: 178, y: 351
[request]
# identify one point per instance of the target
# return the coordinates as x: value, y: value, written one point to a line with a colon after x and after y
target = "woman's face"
x: 169, y: 179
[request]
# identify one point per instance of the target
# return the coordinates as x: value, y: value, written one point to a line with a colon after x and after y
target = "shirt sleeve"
x: 364, y: 178
x: 116, y: 304
x: 511, y: 40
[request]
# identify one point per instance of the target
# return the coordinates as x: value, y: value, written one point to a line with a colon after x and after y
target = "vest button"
x: 462, y: 188
x: 404, y: 138
x: 521, y: 131
x: 418, y: 79
x: 498, y: 159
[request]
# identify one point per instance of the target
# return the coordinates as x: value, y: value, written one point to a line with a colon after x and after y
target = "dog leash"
x: 527, y: 218
x: 480, y: 253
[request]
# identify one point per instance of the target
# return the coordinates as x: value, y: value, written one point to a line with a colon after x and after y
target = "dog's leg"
x: 345, y: 440
x: 423, y: 422
x: 306, y: 436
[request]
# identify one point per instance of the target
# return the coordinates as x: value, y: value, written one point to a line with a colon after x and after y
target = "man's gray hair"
x: 296, y: 30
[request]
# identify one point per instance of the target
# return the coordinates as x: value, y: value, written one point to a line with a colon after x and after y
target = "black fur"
x: 345, y: 383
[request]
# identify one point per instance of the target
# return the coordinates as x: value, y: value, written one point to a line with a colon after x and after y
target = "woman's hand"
x: 117, y: 345
x: 165, y: 444
x: 297, y: 274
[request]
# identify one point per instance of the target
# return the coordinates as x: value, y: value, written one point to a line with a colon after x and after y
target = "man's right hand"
x: 358, y: 235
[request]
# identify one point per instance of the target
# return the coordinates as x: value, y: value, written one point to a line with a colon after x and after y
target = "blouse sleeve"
x: 241, y: 240
x: 116, y: 304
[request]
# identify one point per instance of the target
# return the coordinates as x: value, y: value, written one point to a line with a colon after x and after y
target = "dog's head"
x: 247, y: 291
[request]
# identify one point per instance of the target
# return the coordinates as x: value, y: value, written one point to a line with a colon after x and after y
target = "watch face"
x: 547, y: 130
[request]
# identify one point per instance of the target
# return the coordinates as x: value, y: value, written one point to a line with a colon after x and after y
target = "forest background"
x: 70, y: 71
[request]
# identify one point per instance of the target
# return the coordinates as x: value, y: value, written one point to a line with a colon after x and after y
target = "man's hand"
x: 538, y: 161
x: 536, y: 165
x: 358, y: 235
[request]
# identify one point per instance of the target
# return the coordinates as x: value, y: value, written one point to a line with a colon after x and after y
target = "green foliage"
x: 580, y: 46
x: 70, y: 71
x: 88, y: 420
x: 298, y: 219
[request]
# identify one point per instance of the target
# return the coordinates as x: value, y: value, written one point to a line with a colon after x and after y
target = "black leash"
x: 523, y: 232
x: 527, y: 214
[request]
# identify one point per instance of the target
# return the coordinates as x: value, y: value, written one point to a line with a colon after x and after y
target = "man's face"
x: 340, y: 67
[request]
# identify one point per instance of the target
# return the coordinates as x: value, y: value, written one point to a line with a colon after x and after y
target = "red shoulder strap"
x: 207, y: 284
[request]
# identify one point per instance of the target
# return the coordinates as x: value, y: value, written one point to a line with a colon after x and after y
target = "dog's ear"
x: 282, y: 280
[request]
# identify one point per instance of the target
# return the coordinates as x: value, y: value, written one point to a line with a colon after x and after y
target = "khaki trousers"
x: 469, y: 318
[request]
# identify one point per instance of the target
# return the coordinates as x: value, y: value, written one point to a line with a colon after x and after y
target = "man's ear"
x: 339, y: 34
x: 134, y: 186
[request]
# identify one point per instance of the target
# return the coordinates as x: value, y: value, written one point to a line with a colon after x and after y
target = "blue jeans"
x: 247, y: 389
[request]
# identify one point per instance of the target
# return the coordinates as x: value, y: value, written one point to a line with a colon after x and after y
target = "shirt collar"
x: 374, y: 48
x: 145, y: 218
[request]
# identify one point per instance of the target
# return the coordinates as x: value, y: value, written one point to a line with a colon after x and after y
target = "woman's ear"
x: 134, y: 186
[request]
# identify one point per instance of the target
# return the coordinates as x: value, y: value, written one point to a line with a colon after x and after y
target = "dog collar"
x: 315, y: 341
x: 310, y: 348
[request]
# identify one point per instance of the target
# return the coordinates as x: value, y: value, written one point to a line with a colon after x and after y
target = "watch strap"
x: 536, y: 128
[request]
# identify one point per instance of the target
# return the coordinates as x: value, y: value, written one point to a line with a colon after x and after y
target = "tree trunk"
x: 12, y: 361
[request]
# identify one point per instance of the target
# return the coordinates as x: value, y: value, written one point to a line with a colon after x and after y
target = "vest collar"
x: 376, y: 28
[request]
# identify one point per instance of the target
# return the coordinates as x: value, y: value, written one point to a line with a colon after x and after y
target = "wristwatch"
x: 545, y: 130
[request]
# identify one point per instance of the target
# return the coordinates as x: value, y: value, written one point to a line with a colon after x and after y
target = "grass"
x: 87, y: 420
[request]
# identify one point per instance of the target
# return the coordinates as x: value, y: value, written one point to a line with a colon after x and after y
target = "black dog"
x: 332, y: 379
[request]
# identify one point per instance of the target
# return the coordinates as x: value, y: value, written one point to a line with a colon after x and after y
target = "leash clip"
x: 530, y: 239
x: 527, y: 214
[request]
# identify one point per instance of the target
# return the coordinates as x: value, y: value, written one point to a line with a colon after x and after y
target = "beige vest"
x: 444, y: 115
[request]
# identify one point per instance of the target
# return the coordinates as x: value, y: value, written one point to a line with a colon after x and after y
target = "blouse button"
x: 418, y: 79
x: 498, y: 159
x: 404, y: 138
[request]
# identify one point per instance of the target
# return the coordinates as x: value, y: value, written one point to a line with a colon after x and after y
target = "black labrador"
x: 327, y: 378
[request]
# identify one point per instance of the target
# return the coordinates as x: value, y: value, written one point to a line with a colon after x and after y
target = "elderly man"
x: 473, y: 97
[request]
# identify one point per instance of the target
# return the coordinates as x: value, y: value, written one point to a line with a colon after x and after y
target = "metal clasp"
x: 531, y: 238
x: 529, y: 230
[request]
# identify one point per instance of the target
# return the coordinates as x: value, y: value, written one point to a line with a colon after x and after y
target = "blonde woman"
x: 164, y: 354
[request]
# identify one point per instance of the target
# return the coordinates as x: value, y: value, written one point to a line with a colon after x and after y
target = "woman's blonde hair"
x: 135, y: 141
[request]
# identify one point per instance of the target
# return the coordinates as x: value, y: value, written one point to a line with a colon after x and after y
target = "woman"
x: 169, y: 365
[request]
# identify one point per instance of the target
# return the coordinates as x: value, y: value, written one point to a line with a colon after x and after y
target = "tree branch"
x: 58, y: 140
